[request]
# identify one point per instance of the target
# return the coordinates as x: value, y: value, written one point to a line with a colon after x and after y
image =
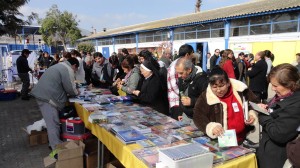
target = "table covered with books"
x: 112, y: 121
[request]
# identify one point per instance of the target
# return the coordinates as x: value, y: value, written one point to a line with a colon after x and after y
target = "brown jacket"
x: 209, y: 111
x: 293, y: 152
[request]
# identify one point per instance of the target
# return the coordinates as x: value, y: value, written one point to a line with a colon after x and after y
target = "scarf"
x: 277, y: 98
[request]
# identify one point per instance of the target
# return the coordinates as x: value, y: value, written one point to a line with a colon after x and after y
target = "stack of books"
x: 192, y: 154
x: 130, y: 136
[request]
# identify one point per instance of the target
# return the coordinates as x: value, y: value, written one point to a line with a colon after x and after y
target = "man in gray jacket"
x: 51, y: 94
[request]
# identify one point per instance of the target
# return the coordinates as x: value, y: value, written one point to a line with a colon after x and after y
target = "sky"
x: 109, y: 14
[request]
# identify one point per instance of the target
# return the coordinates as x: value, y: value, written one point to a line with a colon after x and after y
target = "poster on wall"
x: 241, y: 47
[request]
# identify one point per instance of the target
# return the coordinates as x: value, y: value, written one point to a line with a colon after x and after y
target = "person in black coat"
x: 151, y: 92
x: 191, y: 82
x: 282, y: 125
x: 23, y: 69
x: 110, y: 70
x: 257, y: 75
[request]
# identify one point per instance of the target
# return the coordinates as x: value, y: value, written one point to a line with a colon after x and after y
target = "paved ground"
x: 15, y: 151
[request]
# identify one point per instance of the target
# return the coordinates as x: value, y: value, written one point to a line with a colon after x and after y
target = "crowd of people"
x: 212, y: 100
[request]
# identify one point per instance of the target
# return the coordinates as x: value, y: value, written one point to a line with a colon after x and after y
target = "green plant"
x: 86, y: 46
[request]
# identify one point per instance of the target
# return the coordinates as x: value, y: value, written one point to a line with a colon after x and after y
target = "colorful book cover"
x: 130, y: 135
x: 141, y: 128
x: 233, y: 152
x: 116, y: 129
x: 145, y: 143
x: 148, y: 155
x: 228, y: 139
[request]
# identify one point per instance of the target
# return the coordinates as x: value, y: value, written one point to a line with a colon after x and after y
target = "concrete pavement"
x: 15, y: 151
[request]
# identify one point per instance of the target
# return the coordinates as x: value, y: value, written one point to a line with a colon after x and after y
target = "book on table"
x: 228, y: 139
x: 130, y: 136
x: 142, y: 128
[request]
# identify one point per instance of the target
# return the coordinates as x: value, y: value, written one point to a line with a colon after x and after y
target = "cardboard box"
x: 69, y: 155
x: 91, y: 160
x: 38, y: 137
x: 71, y: 163
x: 114, y: 164
x: 91, y: 153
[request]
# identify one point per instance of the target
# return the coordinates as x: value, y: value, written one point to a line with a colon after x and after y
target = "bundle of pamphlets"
x: 97, y: 118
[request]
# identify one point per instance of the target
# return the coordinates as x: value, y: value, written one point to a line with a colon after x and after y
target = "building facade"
x: 250, y: 27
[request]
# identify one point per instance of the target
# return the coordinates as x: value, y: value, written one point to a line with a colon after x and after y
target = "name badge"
x: 235, y: 107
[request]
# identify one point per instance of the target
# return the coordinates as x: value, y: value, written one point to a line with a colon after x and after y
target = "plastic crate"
x: 8, y: 95
x: 72, y: 126
x: 70, y: 137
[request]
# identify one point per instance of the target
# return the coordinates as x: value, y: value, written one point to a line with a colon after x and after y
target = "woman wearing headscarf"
x: 151, y: 92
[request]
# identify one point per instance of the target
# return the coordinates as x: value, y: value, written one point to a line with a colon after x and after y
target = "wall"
x: 284, y: 46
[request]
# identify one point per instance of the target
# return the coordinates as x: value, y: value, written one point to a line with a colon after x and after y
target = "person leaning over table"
x: 51, y: 93
x: 133, y: 75
x: 192, y: 81
x: 282, y: 125
x: 220, y: 107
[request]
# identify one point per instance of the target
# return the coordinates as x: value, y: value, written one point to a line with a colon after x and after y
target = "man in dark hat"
x: 23, y: 69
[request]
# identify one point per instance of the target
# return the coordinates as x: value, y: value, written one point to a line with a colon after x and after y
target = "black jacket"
x: 195, y: 87
x: 22, y: 65
x: 213, y: 61
x: 151, y: 95
x: 108, y: 74
x: 278, y: 128
x: 257, y: 75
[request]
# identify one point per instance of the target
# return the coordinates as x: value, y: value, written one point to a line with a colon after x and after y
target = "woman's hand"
x: 180, y: 118
x: 136, y: 92
x: 218, y: 131
x: 250, y: 120
x: 186, y: 101
x: 264, y: 106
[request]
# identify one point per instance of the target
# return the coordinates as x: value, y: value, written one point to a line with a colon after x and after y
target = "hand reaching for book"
x: 218, y: 130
